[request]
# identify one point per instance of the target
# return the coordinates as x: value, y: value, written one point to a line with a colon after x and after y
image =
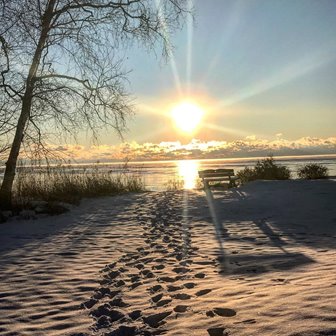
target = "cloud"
x: 250, y: 146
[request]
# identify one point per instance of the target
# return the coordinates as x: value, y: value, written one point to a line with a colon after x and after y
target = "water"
x: 158, y: 175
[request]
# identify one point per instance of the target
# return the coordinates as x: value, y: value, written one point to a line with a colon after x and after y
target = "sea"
x: 162, y: 175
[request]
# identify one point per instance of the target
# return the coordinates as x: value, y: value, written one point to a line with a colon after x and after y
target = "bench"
x: 218, y: 175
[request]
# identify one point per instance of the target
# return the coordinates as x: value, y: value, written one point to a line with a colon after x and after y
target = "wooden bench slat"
x: 218, y: 179
x: 224, y: 178
x: 214, y: 174
x: 217, y: 171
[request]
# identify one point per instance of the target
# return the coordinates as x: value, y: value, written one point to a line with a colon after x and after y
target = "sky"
x: 263, y: 72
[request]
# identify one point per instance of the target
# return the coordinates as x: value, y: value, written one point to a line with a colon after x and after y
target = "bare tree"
x: 60, y: 69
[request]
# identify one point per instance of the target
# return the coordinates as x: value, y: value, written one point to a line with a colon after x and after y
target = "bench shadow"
x: 253, y: 264
x: 271, y: 227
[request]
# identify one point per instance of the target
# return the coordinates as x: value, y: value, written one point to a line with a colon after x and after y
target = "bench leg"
x: 232, y: 183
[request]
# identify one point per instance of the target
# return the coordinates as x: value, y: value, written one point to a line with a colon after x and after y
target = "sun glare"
x: 188, y: 172
x: 187, y: 116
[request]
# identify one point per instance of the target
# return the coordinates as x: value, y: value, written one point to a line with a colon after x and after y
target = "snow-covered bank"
x: 151, y: 263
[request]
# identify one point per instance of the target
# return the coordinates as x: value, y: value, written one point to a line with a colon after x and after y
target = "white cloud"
x: 197, y: 149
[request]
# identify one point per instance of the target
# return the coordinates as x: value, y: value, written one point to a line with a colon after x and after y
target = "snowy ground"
x: 156, y: 263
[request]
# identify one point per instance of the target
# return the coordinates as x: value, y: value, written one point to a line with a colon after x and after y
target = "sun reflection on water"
x: 188, y: 173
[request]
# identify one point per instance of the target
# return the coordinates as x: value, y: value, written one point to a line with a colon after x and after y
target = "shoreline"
x: 303, y: 157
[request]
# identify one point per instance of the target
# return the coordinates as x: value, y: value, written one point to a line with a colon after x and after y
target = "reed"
x: 66, y: 184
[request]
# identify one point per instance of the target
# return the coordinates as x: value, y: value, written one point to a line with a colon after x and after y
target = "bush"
x: 265, y: 169
x: 246, y: 175
x: 312, y: 171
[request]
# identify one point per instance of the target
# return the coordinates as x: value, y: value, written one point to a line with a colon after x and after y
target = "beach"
x: 254, y: 260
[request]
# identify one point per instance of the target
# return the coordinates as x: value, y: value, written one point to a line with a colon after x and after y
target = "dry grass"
x: 174, y: 185
x: 69, y: 185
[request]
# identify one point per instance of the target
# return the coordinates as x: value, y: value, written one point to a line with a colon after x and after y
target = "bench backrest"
x: 215, y: 173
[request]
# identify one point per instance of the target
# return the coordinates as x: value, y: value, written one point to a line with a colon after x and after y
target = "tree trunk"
x: 7, y: 184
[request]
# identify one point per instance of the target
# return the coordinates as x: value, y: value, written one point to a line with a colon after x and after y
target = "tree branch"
x: 84, y: 82
x: 13, y: 93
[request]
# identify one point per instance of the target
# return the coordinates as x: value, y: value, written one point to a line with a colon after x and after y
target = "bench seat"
x: 218, y: 175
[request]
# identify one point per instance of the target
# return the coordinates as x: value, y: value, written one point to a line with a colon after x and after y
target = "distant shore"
x: 143, y: 264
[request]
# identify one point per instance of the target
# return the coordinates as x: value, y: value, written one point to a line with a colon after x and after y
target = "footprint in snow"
x: 203, y: 292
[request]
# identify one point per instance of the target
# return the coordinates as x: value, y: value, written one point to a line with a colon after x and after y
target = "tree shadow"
x: 73, y: 230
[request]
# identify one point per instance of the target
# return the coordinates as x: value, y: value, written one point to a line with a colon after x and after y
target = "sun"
x: 187, y: 116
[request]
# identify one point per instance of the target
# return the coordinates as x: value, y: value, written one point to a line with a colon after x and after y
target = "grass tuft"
x: 70, y: 185
x: 174, y: 185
